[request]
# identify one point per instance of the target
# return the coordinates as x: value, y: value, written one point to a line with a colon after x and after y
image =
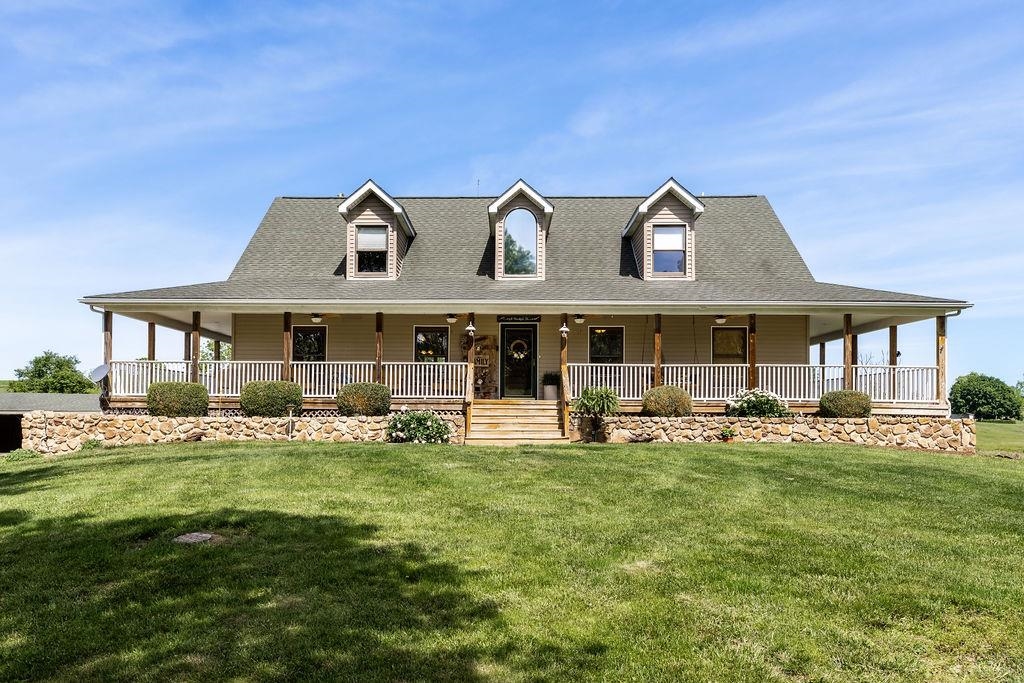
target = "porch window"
x: 520, y: 243
x: 371, y: 249
x: 729, y: 345
x: 607, y: 344
x: 431, y: 344
x: 670, y: 249
x: 309, y: 343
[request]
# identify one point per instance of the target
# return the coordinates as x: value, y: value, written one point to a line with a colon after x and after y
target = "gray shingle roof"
x: 742, y: 253
x: 26, y: 403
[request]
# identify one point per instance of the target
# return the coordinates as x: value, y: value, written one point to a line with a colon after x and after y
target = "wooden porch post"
x: 821, y: 362
x: 940, y: 358
x: 752, y: 351
x: 187, y: 356
x: 108, y: 337
x: 151, y: 341
x: 893, y: 360
x: 196, y: 325
x: 563, y: 366
x: 216, y: 349
x: 821, y: 353
x: 378, y: 368
x: 657, y: 350
x: 856, y: 350
x: 848, y: 351
x: 286, y: 347
x: 470, y: 373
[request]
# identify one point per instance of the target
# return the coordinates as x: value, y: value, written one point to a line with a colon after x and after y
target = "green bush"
x: 597, y: 402
x: 177, y: 399
x: 364, y: 398
x: 19, y: 455
x: 844, y: 404
x: 270, y: 399
x: 418, y: 426
x: 757, y: 403
x: 551, y: 379
x: 667, y: 401
x: 988, y: 398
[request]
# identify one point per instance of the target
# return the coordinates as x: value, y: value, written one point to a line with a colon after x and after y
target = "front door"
x: 518, y: 361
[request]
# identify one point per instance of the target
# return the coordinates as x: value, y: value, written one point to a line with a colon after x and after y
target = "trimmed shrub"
x: 177, y: 399
x: 597, y: 402
x: 364, y: 398
x: 666, y: 401
x: 418, y: 426
x: 270, y: 399
x: 988, y: 398
x: 757, y: 403
x: 844, y: 404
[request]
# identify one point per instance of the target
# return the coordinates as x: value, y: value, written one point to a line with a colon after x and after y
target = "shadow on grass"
x: 284, y: 596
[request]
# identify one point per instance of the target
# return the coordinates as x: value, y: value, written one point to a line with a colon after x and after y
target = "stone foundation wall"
x: 926, y: 433
x: 47, y: 432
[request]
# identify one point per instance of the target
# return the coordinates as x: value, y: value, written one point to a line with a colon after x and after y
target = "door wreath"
x: 518, y: 349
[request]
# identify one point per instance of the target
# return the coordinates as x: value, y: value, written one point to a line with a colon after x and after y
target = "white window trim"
x: 535, y: 275
x: 665, y: 223
x: 387, y: 250
x: 448, y: 359
x: 327, y: 332
x: 622, y: 327
x: 746, y: 336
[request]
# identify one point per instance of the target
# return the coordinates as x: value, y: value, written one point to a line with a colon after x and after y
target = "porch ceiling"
x: 829, y: 327
x: 215, y: 325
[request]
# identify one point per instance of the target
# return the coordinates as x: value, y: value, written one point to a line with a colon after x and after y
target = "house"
x: 466, y: 302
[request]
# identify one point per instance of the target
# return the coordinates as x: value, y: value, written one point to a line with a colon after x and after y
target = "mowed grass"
x: 1007, y: 437
x: 407, y: 563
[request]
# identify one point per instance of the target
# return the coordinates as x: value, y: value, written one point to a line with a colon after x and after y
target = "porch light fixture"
x: 720, y: 319
x: 579, y: 319
x: 471, y: 329
x: 316, y: 318
x: 564, y: 329
x: 450, y: 318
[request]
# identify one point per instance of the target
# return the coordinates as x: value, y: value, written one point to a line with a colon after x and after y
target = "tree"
x: 52, y: 373
x: 988, y: 398
x: 518, y: 259
x: 206, y: 350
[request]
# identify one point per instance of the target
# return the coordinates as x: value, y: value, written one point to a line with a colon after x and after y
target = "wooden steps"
x: 510, y: 422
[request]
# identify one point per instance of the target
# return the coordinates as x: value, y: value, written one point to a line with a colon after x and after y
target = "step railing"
x: 425, y: 380
x: 322, y: 380
x: 705, y: 381
x: 628, y: 380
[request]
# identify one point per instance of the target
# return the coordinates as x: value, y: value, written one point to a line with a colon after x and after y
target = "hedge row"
x: 263, y: 399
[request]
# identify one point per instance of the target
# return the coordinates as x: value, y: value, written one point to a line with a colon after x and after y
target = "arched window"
x: 520, y: 243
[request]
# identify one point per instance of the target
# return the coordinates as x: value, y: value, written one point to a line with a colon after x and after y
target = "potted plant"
x: 551, y: 381
x: 728, y: 434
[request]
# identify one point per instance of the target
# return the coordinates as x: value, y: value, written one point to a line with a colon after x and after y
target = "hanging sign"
x: 518, y: 318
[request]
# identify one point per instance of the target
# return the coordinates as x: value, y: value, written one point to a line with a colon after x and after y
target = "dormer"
x: 378, y: 233
x: 519, y: 221
x: 661, y: 232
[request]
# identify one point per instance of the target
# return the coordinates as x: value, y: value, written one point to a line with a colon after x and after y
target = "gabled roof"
x: 746, y: 258
x: 521, y: 187
x: 370, y: 187
x: 670, y: 186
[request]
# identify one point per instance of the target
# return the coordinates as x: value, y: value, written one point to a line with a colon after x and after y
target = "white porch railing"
x: 425, y: 380
x: 133, y: 377
x: 707, y: 382
x: 322, y: 380
x: 800, y: 382
x: 629, y: 380
x: 897, y: 383
x: 227, y: 377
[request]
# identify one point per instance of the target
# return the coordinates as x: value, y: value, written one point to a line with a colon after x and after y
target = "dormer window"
x: 372, y: 249
x: 669, y: 249
x: 521, y: 237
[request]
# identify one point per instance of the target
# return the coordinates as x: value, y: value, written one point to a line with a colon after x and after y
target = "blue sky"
x: 142, y: 142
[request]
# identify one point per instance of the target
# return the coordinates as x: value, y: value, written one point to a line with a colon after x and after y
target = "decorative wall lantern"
x: 471, y: 329
x: 564, y: 329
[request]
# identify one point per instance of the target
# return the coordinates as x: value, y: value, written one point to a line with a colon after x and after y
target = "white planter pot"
x: 550, y: 392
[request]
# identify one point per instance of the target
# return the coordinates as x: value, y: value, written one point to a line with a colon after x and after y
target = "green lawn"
x: 3, y: 385
x: 644, y: 563
x: 1001, y: 436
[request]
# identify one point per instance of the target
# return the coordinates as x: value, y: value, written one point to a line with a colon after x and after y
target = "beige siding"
x: 401, y: 250
x: 668, y: 210
x: 685, y: 339
x: 518, y: 202
x: 372, y: 211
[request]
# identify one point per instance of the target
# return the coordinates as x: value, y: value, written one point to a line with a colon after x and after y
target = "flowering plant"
x: 757, y: 403
x: 417, y: 426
